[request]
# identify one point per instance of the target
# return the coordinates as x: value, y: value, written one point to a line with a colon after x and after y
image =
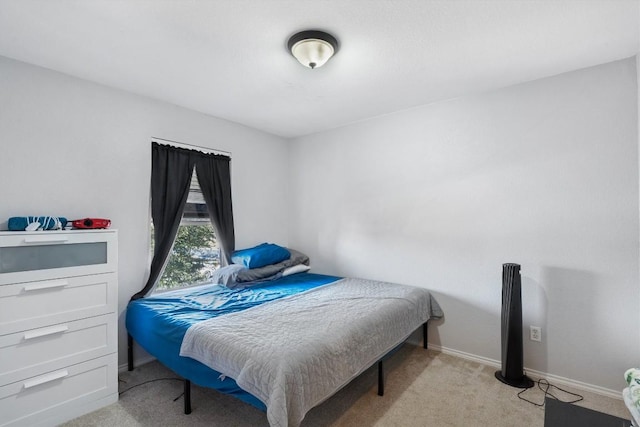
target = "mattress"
x: 159, y: 322
x: 296, y: 352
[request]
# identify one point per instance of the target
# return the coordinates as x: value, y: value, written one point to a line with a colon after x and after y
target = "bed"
x: 283, y: 345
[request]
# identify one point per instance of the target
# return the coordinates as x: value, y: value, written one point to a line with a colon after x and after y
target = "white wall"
x: 544, y: 174
x: 72, y: 148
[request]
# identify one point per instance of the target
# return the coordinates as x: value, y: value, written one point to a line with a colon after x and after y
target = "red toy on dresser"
x: 91, y: 223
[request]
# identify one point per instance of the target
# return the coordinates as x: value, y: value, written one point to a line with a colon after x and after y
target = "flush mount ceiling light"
x: 312, y: 48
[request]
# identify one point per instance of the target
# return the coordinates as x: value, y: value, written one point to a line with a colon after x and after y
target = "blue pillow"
x: 261, y: 255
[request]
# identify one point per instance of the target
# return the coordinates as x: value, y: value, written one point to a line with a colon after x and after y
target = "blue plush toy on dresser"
x: 33, y: 223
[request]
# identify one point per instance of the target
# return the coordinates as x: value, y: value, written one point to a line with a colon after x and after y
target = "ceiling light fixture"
x: 312, y: 48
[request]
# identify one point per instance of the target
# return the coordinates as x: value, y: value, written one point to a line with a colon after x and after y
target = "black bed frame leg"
x: 130, y: 352
x: 380, y: 379
x: 187, y: 397
x: 425, y: 343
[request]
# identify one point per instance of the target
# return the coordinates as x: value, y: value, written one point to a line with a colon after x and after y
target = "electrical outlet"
x: 535, y: 333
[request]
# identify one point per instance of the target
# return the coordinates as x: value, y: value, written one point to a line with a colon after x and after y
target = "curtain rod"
x: 191, y: 146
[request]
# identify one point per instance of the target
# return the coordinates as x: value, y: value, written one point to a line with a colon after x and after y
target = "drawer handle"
x: 45, y: 285
x: 45, y: 379
x: 45, y: 239
x: 45, y: 331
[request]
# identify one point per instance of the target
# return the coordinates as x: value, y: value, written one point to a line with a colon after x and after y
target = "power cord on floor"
x: 545, y: 386
x: 149, y: 381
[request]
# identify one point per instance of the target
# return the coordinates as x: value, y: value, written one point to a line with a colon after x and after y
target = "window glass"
x: 195, y: 254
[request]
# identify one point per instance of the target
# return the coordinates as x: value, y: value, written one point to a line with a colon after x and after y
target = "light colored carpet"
x: 422, y: 388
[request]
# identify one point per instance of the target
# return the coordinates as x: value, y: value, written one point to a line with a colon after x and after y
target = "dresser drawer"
x: 32, y: 305
x: 29, y: 256
x: 51, y: 396
x: 32, y: 352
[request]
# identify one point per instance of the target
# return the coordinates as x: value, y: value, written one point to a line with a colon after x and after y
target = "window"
x: 195, y: 254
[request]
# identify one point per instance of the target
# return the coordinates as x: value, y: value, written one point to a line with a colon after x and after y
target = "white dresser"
x: 58, y: 325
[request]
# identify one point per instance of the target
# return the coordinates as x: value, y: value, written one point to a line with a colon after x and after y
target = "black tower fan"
x: 512, y: 372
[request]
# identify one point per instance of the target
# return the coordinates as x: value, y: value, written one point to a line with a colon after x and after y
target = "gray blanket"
x: 296, y: 352
x: 256, y: 274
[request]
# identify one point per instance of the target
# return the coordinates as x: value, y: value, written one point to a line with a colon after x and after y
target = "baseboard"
x: 579, y: 385
x: 554, y: 379
x: 142, y: 361
x: 467, y: 356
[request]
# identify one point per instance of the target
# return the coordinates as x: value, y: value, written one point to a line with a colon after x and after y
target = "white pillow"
x: 300, y: 268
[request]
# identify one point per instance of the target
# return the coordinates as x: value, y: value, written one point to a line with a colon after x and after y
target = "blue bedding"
x: 159, y: 322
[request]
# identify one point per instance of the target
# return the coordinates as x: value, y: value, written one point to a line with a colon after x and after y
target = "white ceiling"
x: 228, y: 58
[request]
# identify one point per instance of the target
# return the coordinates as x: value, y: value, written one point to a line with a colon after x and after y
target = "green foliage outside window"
x: 193, y: 259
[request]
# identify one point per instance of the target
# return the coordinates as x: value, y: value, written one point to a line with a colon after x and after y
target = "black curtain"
x: 171, y: 170
x: 214, y: 177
